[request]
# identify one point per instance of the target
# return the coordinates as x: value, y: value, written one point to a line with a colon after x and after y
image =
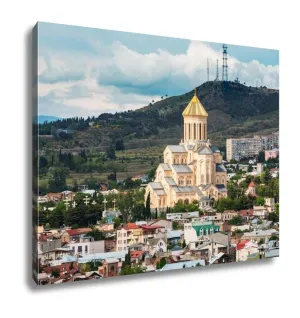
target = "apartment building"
x: 238, y: 148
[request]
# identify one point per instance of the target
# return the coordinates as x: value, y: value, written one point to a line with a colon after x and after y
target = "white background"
x: 257, y: 290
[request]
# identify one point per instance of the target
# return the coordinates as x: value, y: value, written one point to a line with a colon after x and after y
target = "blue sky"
x: 85, y: 71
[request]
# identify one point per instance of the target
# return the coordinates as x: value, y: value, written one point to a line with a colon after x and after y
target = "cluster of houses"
x: 181, y: 240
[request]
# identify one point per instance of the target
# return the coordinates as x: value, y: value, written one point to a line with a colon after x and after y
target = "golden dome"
x: 195, y: 108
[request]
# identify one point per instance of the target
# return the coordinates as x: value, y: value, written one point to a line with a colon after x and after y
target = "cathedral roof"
x: 195, y: 108
x: 221, y: 187
x: 156, y: 185
x: 165, y: 166
x: 220, y: 168
x: 160, y: 191
x: 181, y: 168
x: 187, y: 189
x: 204, y: 150
x: 170, y: 181
x: 215, y: 149
x: 177, y: 148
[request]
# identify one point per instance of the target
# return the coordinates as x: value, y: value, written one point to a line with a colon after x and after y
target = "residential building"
x: 238, y: 148
x: 244, y: 249
x: 260, y: 211
x: 246, y: 214
x: 206, y: 250
x: 86, y: 245
x: 270, y: 204
x: 271, y: 154
x: 156, y: 245
x: 127, y: 235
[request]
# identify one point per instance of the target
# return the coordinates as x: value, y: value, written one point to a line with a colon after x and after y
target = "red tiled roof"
x: 135, y: 254
x: 242, y: 244
x: 252, y: 185
x: 151, y: 227
x: 131, y: 226
x: 245, y: 212
x: 73, y: 232
x: 78, y: 231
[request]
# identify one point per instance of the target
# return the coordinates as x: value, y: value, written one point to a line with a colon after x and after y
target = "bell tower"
x: 195, y: 122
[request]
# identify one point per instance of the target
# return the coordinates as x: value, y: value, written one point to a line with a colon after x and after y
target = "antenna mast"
x: 208, y: 70
x: 217, y: 71
x: 225, y: 66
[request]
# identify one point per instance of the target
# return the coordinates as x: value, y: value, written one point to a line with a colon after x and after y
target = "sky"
x: 86, y: 72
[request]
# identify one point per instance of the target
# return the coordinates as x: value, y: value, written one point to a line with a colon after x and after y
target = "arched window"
x: 195, y: 131
x: 200, y: 134
x: 181, y: 181
x: 202, y: 178
x: 186, y: 201
x: 176, y: 160
x: 189, y: 181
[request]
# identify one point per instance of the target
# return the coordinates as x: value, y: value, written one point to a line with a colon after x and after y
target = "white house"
x: 156, y: 245
x: 190, y: 233
x: 244, y: 249
x: 260, y: 211
x: 87, y: 246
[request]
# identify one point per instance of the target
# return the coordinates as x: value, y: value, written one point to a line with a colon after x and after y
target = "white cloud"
x: 118, y: 78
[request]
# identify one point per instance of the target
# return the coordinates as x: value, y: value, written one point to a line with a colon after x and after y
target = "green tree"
x: 261, y: 157
x: 96, y: 234
x: 236, y: 220
x: 120, y: 145
x: 266, y: 176
x: 161, y: 263
x: 130, y: 270
x: 117, y: 222
x: 57, y: 216
x: 110, y: 153
x: 183, y: 244
x: 147, y: 207
x: 259, y: 201
x: 250, y: 168
x: 55, y: 273
x: 57, y: 179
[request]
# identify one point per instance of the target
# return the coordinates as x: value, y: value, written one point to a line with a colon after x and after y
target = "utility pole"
x: 207, y: 69
x: 217, y: 71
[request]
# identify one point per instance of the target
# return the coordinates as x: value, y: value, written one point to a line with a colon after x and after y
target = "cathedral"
x: 191, y: 171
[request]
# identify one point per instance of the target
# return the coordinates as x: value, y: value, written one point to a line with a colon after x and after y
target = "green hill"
x: 234, y: 110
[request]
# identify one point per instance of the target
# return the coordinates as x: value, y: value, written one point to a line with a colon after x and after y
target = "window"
x: 79, y: 250
x: 124, y: 241
x: 86, y: 249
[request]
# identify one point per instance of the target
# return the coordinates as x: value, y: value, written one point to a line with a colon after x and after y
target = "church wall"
x: 175, y: 157
x: 221, y: 178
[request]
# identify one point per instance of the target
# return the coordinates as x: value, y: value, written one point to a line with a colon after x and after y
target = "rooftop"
x: 180, y: 265
x: 176, y: 148
x: 195, y: 108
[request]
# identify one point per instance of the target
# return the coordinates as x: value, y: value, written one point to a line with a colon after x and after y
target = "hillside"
x: 234, y: 110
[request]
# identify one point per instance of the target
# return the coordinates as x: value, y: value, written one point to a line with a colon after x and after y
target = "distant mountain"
x: 234, y: 110
x: 43, y: 118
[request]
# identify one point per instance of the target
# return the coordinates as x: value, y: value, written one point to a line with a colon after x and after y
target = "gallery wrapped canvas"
x: 151, y: 154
